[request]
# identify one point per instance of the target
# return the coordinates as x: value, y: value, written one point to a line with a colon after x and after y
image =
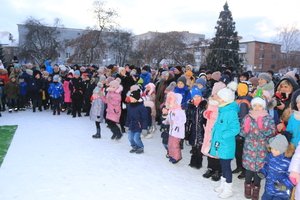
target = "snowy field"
x: 55, y: 158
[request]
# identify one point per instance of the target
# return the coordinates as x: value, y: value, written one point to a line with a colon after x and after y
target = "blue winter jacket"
x: 226, y: 127
x: 137, y: 117
x: 293, y: 128
x: 55, y: 90
x: 146, y: 76
x: 276, y: 170
x: 186, y: 96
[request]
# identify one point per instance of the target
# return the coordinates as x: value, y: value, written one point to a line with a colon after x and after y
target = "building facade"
x: 260, y: 56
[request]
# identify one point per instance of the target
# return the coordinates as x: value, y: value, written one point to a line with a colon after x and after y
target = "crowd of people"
x: 220, y: 116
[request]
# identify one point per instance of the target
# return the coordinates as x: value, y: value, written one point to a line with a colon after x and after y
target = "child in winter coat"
x: 136, y: 121
x: 224, y: 131
x: 211, y: 114
x: 294, y: 120
x: 243, y: 100
x: 23, y: 94
x: 275, y: 170
x: 11, y: 90
x: 113, y: 111
x: 183, y: 89
x: 149, y: 102
x: 56, y: 92
x: 97, y: 108
x: 257, y: 127
x: 294, y: 170
x: 195, y: 122
x: 67, y: 93
x: 176, y: 118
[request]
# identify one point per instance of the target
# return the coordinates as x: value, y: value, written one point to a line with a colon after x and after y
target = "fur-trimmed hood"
x: 293, y: 100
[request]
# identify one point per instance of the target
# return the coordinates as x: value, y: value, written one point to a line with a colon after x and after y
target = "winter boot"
x: 54, y: 112
x: 242, y: 174
x: 227, y: 191
x: 208, y: 173
x: 255, y: 192
x: 247, y: 191
x: 97, y: 135
x: 220, y: 188
x: 216, y: 176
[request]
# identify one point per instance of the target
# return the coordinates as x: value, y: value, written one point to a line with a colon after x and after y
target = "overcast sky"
x: 255, y: 19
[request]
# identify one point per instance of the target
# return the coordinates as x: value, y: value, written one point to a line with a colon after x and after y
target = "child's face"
x: 285, y: 88
x: 298, y: 105
x: 257, y: 107
x: 275, y: 152
x: 262, y: 82
x: 180, y: 84
x: 199, y: 85
x: 197, y: 99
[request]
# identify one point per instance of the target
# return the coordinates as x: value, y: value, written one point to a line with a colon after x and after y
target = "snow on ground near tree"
x: 55, y: 158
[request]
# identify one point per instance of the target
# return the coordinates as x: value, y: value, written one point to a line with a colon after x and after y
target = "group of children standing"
x: 255, y: 122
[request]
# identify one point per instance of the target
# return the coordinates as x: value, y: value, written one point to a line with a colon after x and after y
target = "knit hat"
x: 265, y: 76
x: 136, y: 94
x: 201, y: 81
x: 114, y: 83
x: 56, y: 78
x: 171, y: 87
x: 217, y: 87
x: 242, y: 89
x: 196, y: 91
x: 228, y: 94
x: 254, y: 81
x: 182, y: 79
x: 291, y: 74
x: 216, y: 75
x: 258, y: 100
x: 77, y: 72
x: 29, y: 72
x: 279, y: 142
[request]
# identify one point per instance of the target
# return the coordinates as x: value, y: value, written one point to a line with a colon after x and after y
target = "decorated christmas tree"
x: 223, y: 51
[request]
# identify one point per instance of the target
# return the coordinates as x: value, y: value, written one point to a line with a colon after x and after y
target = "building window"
x: 273, y: 56
x: 261, y: 46
x: 67, y: 55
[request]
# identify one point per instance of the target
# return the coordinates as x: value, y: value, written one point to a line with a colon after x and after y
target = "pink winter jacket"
x: 67, y: 92
x: 113, y: 101
x: 295, y: 167
x: 211, y: 114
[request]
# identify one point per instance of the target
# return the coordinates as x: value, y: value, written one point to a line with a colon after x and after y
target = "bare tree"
x: 170, y: 46
x: 289, y: 38
x: 90, y: 47
x: 40, y: 41
x: 121, y: 45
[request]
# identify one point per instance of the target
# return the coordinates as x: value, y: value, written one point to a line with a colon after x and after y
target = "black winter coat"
x: 194, y: 127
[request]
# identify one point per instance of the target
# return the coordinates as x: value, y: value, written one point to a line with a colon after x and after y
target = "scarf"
x: 256, y: 114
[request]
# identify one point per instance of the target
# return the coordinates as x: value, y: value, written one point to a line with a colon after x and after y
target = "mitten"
x: 247, y: 125
x: 280, y: 186
x: 208, y: 114
x: 260, y: 123
x: 260, y: 175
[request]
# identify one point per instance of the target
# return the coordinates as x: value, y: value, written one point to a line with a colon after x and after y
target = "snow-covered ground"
x: 55, y: 158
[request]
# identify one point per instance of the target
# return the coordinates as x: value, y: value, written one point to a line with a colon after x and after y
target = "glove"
x: 126, y: 129
x: 247, y: 125
x: 280, y: 186
x: 261, y: 175
x: 144, y: 132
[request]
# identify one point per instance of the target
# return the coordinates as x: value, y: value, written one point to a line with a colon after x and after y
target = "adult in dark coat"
x: 76, y: 87
x: 126, y: 81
